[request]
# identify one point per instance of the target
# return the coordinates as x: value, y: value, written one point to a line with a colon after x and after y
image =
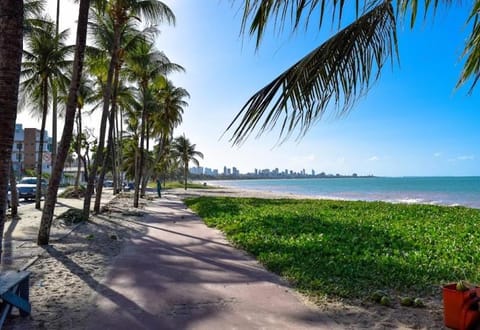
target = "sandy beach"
x: 67, y: 274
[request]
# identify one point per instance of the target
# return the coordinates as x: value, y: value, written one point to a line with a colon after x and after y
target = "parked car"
x: 127, y: 186
x: 27, y: 187
x: 108, y: 183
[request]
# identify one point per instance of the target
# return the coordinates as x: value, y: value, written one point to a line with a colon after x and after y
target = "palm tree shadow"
x: 7, y: 250
x: 132, y: 308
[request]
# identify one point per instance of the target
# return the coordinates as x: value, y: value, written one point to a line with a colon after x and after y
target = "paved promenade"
x: 184, y: 275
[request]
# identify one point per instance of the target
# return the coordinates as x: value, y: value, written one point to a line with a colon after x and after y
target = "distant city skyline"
x: 274, y: 172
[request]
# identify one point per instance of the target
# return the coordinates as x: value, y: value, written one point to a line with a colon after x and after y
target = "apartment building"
x: 26, y: 150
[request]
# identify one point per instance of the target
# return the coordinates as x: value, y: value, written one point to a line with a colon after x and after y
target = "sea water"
x: 463, y: 191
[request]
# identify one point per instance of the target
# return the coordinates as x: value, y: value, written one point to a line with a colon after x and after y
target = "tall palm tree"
x: 11, y: 25
x: 339, y: 71
x: 102, y: 29
x: 121, y: 13
x: 45, y: 63
x: 185, y: 151
x: 171, y: 103
x: 171, y: 100
x: 64, y: 146
x: 85, y: 96
x: 145, y: 65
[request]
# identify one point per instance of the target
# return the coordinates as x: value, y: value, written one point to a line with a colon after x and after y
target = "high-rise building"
x: 235, y: 171
x: 31, y: 150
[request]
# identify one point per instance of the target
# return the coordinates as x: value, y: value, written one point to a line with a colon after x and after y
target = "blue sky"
x: 412, y: 122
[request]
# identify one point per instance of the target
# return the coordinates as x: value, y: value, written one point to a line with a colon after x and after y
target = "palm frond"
x: 257, y: 14
x: 338, y: 72
x: 471, y: 69
x: 154, y: 11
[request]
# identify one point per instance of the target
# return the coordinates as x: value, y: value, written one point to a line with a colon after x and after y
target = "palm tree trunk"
x: 103, y: 172
x: 185, y: 171
x: 114, y: 128
x: 120, y: 151
x: 114, y: 159
x: 145, y: 171
x: 54, y: 122
x: 79, y: 147
x: 107, y: 93
x: 51, y: 198
x: 138, y: 174
x: 11, y: 38
x: 38, y: 193
x: 54, y: 98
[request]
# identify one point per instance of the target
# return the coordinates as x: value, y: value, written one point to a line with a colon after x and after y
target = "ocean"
x: 452, y: 191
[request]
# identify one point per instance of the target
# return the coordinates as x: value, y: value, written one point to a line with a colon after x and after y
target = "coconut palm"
x: 10, y: 61
x: 146, y: 65
x: 185, y: 151
x: 45, y: 63
x: 102, y: 29
x: 172, y: 103
x: 339, y: 71
x: 85, y: 96
x: 64, y: 146
x: 121, y: 13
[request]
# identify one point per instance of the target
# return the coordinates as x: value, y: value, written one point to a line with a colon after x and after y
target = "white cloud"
x: 437, y: 154
x: 374, y: 158
x: 467, y: 157
x: 462, y: 158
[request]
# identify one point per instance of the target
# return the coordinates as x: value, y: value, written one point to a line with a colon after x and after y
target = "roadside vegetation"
x: 351, y: 248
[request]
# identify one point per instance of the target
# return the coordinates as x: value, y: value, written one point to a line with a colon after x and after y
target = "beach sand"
x: 67, y: 275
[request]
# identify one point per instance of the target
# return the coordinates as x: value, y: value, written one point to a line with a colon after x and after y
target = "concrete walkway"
x: 184, y: 275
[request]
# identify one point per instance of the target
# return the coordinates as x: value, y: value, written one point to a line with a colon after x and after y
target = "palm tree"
x: 85, y: 95
x: 64, y: 146
x: 186, y: 153
x: 45, y: 61
x: 121, y: 13
x: 341, y: 69
x: 172, y: 102
x: 146, y: 65
x: 11, y: 25
x: 102, y: 29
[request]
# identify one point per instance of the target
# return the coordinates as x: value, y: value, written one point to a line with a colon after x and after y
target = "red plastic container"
x: 460, y: 308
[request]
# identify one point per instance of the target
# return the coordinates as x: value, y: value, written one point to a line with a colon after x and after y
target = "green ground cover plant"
x: 352, y: 248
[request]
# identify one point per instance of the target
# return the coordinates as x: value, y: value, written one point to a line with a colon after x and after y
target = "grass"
x: 350, y: 248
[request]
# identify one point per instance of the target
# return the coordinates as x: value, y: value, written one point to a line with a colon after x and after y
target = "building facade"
x: 26, y: 150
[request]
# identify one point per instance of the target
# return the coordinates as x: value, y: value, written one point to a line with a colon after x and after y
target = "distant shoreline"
x: 280, y: 177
